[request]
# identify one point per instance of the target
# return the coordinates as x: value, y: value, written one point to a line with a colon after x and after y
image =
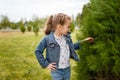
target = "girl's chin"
x: 65, y: 34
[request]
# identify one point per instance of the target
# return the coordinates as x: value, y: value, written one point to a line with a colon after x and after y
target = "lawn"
x: 17, y: 58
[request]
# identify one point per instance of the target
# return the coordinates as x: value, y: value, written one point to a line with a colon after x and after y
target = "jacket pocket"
x: 52, y: 45
x: 53, y: 52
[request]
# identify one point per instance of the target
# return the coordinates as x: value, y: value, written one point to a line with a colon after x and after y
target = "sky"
x: 17, y: 9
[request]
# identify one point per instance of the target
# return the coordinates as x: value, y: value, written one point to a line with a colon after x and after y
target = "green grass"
x: 17, y: 58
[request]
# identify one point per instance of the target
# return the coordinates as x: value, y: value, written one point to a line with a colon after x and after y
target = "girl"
x: 59, y: 47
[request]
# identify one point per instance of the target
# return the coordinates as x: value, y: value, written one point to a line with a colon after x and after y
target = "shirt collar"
x: 52, y: 37
x: 58, y: 38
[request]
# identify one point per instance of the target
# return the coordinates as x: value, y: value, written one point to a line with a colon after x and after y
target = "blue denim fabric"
x: 53, y: 50
x: 61, y: 74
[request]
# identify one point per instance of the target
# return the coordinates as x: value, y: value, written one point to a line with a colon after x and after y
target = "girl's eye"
x: 68, y: 26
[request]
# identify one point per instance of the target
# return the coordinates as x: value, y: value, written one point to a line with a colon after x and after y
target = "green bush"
x: 101, y: 60
x: 22, y: 28
x: 29, y: 28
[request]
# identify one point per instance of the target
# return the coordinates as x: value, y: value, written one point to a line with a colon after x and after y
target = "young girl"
x: 59, y: 47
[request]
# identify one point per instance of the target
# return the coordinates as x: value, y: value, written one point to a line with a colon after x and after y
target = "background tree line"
x: 32, y: 25
x: 100, y: 60
x: 23, y: 25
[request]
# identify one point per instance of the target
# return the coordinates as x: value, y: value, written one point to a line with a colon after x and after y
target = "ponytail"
x: 49, y: 26
x: 53, y: 21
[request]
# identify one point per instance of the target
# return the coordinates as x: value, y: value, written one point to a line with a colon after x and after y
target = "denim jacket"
x: 53, y: 50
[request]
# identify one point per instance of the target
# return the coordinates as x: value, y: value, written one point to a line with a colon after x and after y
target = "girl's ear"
x: 59, y: 26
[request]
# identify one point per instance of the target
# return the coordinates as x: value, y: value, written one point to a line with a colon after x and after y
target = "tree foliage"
x: 32, y: 25
x: 5, y: 22
x: 36, y: 25
x: 100, y: 61
x: 29, y: 28
x: 13, y: 25
x: 22, y: 26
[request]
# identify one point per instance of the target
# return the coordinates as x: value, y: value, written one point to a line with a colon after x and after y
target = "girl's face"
x: 66, y: 27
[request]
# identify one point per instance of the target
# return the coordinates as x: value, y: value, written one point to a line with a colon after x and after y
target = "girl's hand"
x: 89, y: 39
x: 52, y: 66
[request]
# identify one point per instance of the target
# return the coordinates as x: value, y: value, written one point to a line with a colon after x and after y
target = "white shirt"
x: 64, y: 60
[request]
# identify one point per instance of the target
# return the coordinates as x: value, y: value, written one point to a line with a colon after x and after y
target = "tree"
x: 0, y: 27
x: 36, y: 24
x: 72, y: 25
x: 100, y: 61
x: 78, y: 18
x: 13, y: 25
x: 5, y: 22
x: 42, y: 22
x: 21, y: 25
x: 30, y: 25
x: 0, y: 24
x: 29, y: 28
x: 22, y: 28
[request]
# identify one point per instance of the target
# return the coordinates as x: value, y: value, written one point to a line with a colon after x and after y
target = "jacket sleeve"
x: 77, y: 45
x: 39, y: 53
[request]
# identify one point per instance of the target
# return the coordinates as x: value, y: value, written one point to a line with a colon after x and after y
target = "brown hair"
x: 55, y: 20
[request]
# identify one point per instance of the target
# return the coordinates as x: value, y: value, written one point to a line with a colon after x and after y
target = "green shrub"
x: 101, y: 60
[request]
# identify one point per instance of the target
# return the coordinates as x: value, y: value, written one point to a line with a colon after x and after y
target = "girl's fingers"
x: 52, y: 66
x: 90, y: 39
x: 53, y: 63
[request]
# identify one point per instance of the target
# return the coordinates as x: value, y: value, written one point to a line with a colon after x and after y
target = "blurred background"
x: 22, y: 25
x: 21, y: 29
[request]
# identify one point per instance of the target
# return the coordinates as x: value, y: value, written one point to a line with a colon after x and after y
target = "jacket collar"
x: 52, y: 38
x: 68, y: 35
